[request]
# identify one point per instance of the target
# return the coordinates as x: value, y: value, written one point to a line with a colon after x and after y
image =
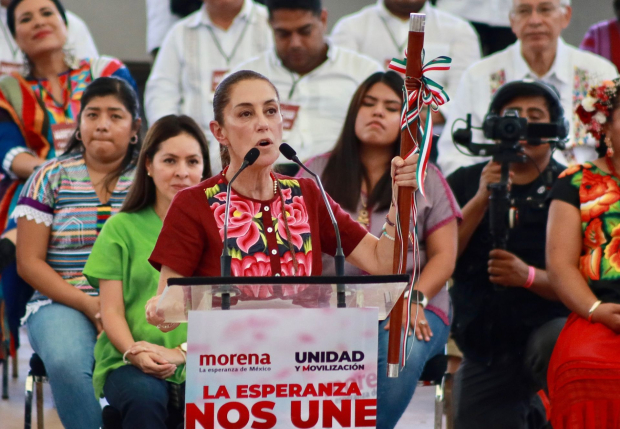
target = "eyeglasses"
x: 544, y: 10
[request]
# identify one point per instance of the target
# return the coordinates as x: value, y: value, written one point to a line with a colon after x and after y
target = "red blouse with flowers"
x: 191, y: 240
x: 597, y: 195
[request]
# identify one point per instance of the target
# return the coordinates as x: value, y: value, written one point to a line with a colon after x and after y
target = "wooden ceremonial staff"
x: 405, y: 194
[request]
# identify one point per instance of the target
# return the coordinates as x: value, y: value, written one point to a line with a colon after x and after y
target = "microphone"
x: 225, y: 259
x: 290, y: 154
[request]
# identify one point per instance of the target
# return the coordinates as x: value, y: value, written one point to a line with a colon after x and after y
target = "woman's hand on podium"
x: 156, y: 317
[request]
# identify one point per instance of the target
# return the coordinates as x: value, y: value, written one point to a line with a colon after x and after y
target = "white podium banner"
x: 289, y: 368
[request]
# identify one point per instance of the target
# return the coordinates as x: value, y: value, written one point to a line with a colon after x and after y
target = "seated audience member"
x: 79, y: 44
x: 161, y: 15
x: 582, y: 255
x: 315, y: 78
x: 197, y: 53
x: 59, y: 215
x: 38, y: 112
x: 175, y: 155
x: 489, y: 18
x: 603, y: 38
x: 444, y: 34
x: 356, y: 174
x: 506, y: 315
x: 541, y: 54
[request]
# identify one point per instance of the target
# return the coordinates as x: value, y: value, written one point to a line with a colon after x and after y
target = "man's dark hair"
x: 528, y: 88
x: 313, y: 6
x: 617, y: 8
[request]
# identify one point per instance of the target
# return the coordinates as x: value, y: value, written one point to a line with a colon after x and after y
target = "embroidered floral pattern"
x: 581, y: 86
x: 247, y: 236
x: 597, y: 193
x: 497, y: 79
x: 599, y: 198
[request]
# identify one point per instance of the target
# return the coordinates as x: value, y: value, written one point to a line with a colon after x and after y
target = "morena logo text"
x: 236, y: 359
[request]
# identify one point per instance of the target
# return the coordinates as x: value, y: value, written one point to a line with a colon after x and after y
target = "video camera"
x: 509, y: 131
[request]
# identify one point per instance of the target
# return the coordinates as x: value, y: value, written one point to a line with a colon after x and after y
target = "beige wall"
x: 119, y: 26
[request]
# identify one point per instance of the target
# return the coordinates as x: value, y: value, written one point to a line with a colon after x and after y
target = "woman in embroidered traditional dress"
x: 38, y: 112
x: 357, y: 175
x: 583, y: 262
x: 39, y: 108
x: 60, y: 213
x: 175, y: 156
x: 278, y: 225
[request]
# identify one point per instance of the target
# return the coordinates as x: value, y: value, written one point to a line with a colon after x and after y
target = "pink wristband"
x: 530, y: 277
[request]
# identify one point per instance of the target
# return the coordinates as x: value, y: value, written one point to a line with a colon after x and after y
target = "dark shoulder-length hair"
x: 124, y: 92
x: 344, y: 173
x: 10, y: 13
x: 142, y: 193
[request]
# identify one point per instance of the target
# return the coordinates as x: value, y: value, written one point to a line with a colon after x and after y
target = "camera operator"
x: 506, y: 316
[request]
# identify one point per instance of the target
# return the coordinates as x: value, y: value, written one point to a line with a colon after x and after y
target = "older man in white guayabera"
x: 539, y: 53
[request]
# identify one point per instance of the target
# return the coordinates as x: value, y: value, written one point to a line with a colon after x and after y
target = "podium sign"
x: 290, y: 368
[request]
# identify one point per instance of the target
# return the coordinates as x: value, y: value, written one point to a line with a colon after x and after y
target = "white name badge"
x: 289, y: 115
x: 62, y: 133
x: 216, y: 77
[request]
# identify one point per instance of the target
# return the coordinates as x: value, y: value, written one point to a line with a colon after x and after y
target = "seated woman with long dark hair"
x: 356, y: 174
x: 62, y: 208
x: 175, y: 155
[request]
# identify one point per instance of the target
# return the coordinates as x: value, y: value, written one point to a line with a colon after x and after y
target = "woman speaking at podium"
x: 278, y: 226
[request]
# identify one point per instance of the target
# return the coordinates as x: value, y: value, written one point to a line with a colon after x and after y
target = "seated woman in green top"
x: 135, y: 361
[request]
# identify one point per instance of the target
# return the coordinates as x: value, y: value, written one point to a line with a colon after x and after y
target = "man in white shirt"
x: 489, y: 18
x: 197, y: 53
x: 315, y: 79
x: 445, y: 34
x: 159, y: 19
x: 79, y: 42
x: 540, y: 53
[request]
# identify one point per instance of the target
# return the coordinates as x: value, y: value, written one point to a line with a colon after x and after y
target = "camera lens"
x: 509, y: 129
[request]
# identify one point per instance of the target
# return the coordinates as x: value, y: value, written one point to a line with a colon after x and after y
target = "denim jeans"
x: 141, y: 398
x: 65, y: 339
x: 394, y: 394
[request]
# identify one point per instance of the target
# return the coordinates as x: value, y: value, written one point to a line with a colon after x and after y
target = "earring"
x: 610, y: 148
x: 78, y: 135
x: 134, y: 139
x: 148, y: 173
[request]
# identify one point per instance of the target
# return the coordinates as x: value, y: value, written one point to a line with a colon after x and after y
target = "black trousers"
x: 503, y: 395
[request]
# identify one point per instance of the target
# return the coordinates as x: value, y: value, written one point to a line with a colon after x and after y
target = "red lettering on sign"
x: 193, y: 415
x: 313, y: 415
x: 258, y: 411
x: 365, y: 413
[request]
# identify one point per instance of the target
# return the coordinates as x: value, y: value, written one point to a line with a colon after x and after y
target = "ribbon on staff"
x: 429, y: 94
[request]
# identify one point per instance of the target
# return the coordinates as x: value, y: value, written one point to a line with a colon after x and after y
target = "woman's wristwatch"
x: 183, y: 349
x: 417, y: 298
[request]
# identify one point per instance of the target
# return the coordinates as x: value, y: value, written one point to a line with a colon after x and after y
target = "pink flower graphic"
x: 256, y: 265
x: 241, y: 223
x: 304, y: 265
x: 296, y: 215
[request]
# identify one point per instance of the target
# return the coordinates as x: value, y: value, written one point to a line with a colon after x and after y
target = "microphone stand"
x: 291, y: 155
x: 226, y: 259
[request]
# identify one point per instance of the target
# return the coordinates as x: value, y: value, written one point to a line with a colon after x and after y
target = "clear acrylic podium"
x: 183, y: 295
